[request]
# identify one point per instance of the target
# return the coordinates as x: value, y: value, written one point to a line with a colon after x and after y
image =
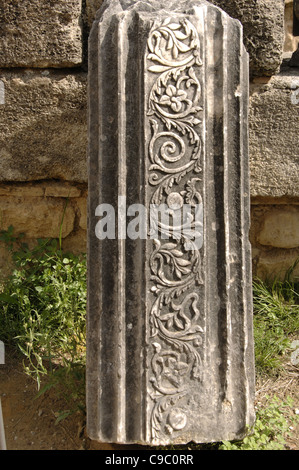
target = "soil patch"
x: 30, y: 422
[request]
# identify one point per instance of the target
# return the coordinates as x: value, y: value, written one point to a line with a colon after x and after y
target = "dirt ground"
x: 30, y: 422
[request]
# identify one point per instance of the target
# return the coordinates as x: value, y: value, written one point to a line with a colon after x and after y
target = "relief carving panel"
x: 175, y: 151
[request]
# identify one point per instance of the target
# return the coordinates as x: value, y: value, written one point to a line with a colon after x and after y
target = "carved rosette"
x: 175, y: 151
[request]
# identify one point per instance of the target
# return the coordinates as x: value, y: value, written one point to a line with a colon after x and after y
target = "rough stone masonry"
x: 169, y: 347
x: 43, y: 131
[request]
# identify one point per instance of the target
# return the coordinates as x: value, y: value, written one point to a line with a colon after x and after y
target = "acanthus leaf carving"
x: 175, y: 151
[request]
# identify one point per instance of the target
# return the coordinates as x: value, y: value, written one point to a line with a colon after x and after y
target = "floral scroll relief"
x: 175, y: 150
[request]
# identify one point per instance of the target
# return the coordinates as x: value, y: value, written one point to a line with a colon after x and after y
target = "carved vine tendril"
x: 174, y: 151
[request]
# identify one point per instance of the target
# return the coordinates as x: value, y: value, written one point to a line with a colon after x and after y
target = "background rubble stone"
x: 273, y: 125
x: 40, y: 33
x: 263, y: 26
x: 43, y: 131
x: 43, y: 116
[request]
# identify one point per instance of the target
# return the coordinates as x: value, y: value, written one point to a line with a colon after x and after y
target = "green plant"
x: 273, y: 424
x: 43, y: 312
x: 276, y: 319
x: 10, y: 238
x: 43, y: 309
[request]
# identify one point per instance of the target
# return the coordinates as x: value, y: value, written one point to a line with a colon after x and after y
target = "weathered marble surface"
x: 170, y: 348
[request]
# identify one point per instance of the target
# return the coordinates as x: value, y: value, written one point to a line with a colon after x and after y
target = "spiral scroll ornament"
x: 175, y: 151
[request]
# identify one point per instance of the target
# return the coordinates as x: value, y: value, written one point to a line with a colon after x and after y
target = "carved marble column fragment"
x: 169, y: 343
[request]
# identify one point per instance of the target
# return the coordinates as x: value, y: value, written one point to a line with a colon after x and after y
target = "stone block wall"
x: 43, y: 123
